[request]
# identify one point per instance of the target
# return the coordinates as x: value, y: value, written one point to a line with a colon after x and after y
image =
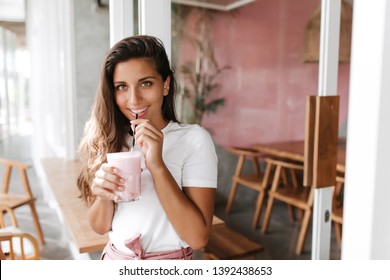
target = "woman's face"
x: 139, y: 89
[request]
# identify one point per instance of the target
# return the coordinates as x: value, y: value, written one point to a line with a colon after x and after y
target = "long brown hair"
x: 106, y: 130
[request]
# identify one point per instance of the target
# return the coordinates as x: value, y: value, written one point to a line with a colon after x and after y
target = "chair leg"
x: 302, y: 232
x: 2, y: 255
x: 291, y: 213
x: 267, y: 214
x: 232, y: 194
x: 337, y: 228
x: 37, y: 225
x: 259, y: 208
x: 301, y: 214
x: 284, y: 177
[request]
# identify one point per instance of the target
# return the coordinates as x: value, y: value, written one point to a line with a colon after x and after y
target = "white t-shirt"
x: 189, y: 154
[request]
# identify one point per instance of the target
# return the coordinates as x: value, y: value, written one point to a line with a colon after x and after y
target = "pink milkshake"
x: 129, y: 166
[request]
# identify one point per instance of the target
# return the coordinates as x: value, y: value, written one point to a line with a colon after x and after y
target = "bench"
x: 227, y: 244
x: 62, y: 176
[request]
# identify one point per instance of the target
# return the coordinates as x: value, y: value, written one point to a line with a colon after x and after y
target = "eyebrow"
x: 148, y: 77
x: 140, y: 80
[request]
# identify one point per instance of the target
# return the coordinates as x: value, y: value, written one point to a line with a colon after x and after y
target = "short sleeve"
x: 200, y: 168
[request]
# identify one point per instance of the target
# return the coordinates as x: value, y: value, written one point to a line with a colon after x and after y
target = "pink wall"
x: 266, y: 87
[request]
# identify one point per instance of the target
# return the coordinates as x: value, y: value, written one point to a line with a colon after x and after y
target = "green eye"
x: 146, y: 84
x: 121, y: 88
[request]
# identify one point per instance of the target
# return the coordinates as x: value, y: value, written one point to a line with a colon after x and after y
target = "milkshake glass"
x: 129, y: 166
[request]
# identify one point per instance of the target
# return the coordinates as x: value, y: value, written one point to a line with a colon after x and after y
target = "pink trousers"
x: 134, y: 244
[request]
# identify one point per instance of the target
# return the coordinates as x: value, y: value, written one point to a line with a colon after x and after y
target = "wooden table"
x: 294, y: 150
x: 62, y: 175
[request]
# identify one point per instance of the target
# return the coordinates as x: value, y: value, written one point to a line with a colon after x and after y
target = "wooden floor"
x: 279, y: 242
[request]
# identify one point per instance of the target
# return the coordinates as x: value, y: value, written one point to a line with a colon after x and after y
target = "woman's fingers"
x: 146, y: 132
x: 98, y: 190
x: 106, y: 182
x: 150, y: 139
x: 109, y: 173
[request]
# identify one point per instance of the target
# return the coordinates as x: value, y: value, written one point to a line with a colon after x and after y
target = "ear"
x: 166, y: 86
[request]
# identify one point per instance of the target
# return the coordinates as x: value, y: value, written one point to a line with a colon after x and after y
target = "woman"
x: 179, y: 179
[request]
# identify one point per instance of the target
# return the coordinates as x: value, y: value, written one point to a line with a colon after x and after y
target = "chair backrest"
x: 22, y: 167
x: 14, y: 243
x: 245, y: 154
x: 282, y: 166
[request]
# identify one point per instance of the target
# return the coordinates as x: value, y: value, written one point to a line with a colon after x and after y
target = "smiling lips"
x: 138, y: 111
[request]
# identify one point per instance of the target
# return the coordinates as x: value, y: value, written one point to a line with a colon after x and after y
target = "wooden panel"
x: 309, y: 140
x: 325, y: 141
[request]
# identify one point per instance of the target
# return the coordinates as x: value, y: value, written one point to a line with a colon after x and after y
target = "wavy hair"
x: 106, y: 130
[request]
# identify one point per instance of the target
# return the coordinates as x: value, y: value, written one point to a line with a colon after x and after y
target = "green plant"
x: 201, y: 77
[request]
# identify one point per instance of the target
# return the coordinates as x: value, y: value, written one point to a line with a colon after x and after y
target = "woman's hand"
x: 106, y: 182
x: 150, y: 139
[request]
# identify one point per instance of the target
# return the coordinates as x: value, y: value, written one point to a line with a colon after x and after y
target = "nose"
x: 133, y: 97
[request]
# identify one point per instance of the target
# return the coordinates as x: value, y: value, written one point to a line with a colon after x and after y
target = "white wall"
x: 12, y: 10
x: 91, y: 42
x: 155, y: 20
x: 67, y: 41
x: 366, y: 228
x: 47, y: 93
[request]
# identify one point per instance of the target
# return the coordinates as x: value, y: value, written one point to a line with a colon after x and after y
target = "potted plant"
x: 199, y: 78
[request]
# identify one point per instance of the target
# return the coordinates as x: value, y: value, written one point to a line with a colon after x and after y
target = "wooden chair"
x: 337, y: 207
x: 293, y: 194
x: 14, y: 243
x: 257, y: 180
x: 14, y: 201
